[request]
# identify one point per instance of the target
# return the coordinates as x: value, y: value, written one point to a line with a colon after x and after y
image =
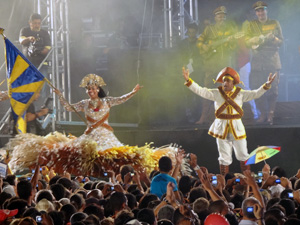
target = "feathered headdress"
x: 92, y: 79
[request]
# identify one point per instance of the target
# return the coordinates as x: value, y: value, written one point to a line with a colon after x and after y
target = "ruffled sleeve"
x: 112, y: 101
x: 79, y: 106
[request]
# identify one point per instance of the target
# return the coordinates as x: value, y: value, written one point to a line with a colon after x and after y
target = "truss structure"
x: 176, y: 14
x: 56, y: 21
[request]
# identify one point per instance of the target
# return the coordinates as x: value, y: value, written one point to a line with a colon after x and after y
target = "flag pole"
x: 51, y: 85
x: 2, y: 82
x: 2, y: 32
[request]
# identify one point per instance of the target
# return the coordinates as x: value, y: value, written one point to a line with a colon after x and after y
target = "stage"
x: 194, y: 138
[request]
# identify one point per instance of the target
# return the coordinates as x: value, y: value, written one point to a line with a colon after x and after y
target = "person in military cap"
x: 264, y: 37
x: 217, y: 47
x: 228, y: 128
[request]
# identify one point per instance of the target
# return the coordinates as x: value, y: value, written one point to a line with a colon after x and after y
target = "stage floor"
x: 194, y: 138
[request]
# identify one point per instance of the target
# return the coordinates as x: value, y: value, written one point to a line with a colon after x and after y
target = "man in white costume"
x: 228, y: 128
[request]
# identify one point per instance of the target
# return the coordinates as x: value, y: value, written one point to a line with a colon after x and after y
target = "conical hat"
x: 230, y: 72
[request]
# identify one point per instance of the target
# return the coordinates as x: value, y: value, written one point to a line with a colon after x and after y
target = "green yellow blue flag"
x: 23, y: 81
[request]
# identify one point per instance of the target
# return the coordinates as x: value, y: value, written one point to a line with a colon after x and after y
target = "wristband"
x: 166, y: 200
x: 196, y: 167
x: 267, y: 86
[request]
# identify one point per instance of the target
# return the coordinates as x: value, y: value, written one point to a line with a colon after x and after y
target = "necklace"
x: 94, y: 102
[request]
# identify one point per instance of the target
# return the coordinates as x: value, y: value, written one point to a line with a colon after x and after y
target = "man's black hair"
x: 44, y: 194
x: 94, y: 209
x: 165, y: 164
x: 77, y: 200
x: 117, y: 200
x: 146, y: 215
x: 132, y: 203
x: 78, y: 217
x: 65, y: 182
x: 57, y: 217
x: 68, y: 210
x: 58, y: 191
x: 146, y: 200
x: 24, y: 189
x: 35, y: 16
x: 10, y: 179
x: 192, y: 26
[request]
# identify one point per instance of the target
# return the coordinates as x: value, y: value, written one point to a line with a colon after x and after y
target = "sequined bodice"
x: 96, y: 113
x: 104, y: 137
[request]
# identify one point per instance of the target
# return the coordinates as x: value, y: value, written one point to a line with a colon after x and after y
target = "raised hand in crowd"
x: 270, y: 181
x: 296, y: 195
x: 169, y: 199
x: 136, y: 179
x: 286, y: 183
x: 250, y: 180
x: 118, y: 188
x: 258, y: 211
x: 179, y: 159
x: 170, y: 195
x: 298, y: 174
x: 144, y: 178
x: 266, y: 171
x: 107, y: 190
x: 220, y: 186
x: 206, y: 184
x: 186, y: 211
x: 111, y: 176
x: 204, y: 169
x: 128, y: 179
x: 119, y: 178
x: 221, y: 182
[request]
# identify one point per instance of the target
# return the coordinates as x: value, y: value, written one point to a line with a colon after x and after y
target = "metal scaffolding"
x: 57, y: 23
x: 55, y: 20
x: 176, y: 12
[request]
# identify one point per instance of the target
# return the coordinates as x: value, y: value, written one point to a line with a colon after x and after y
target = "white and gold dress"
x: 97, y: 116
x: 95, y: 151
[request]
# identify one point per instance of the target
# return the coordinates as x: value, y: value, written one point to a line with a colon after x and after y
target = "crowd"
x: 172, y: 194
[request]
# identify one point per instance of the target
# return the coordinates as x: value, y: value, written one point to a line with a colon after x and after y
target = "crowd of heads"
x: 127, y: 197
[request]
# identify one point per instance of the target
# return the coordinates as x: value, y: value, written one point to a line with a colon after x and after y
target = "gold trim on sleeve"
x: 266, y: 87
x: 189, y: 82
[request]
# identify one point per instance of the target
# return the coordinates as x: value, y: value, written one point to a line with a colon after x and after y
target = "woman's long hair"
x: 101, y: 93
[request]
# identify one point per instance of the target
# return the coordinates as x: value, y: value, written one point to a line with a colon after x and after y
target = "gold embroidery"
x: 268, y: 27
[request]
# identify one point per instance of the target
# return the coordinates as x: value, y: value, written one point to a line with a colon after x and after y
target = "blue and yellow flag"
x: 23, y: 81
